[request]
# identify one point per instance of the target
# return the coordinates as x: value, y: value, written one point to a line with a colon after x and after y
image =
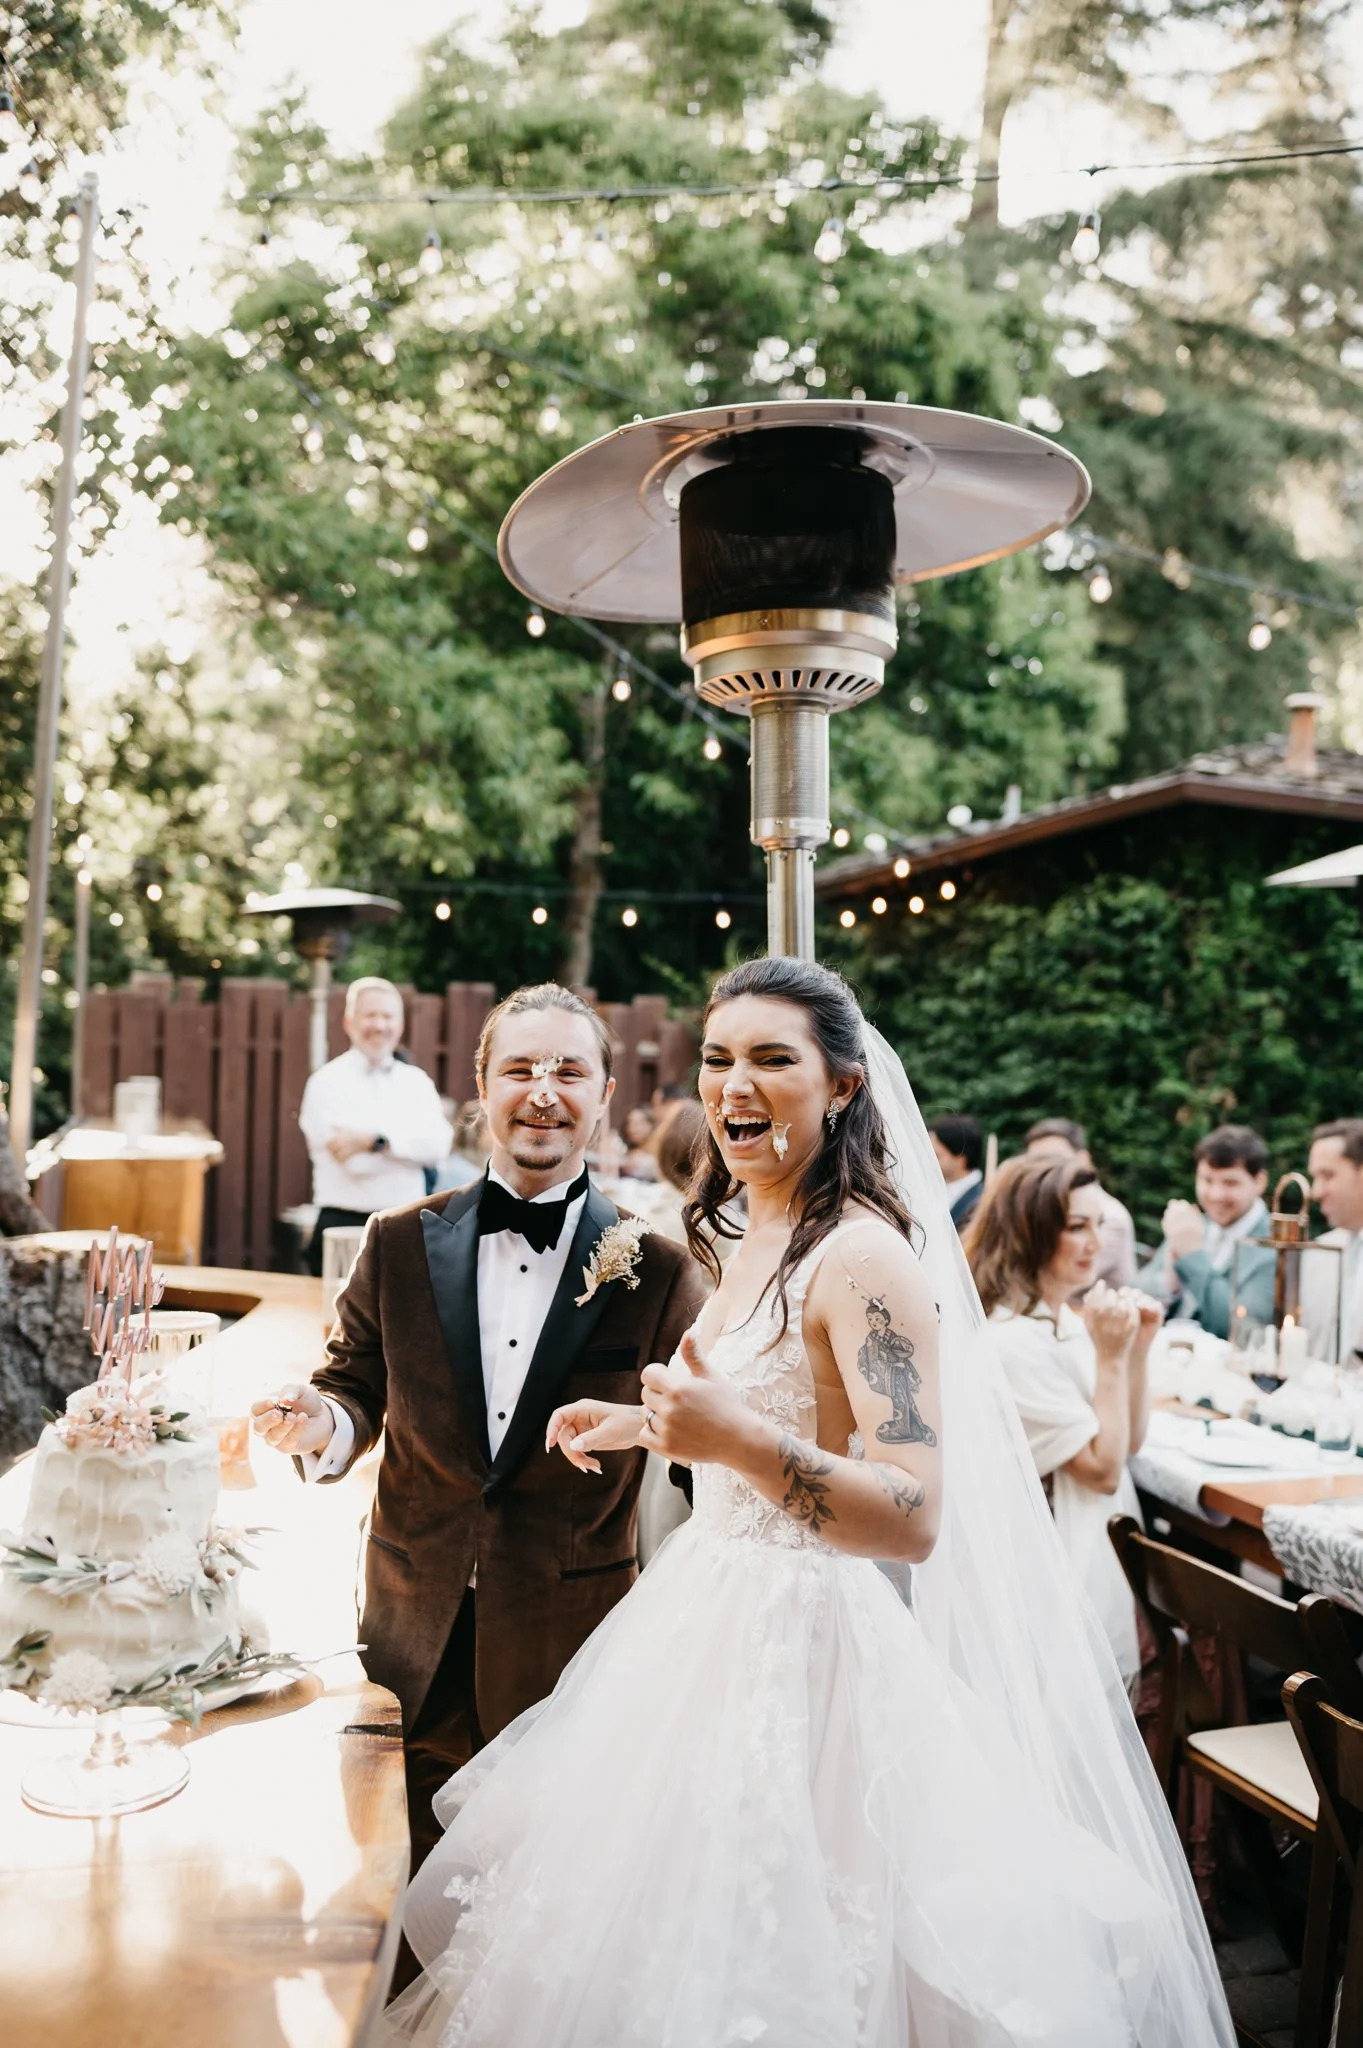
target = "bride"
x: 781, y: 1795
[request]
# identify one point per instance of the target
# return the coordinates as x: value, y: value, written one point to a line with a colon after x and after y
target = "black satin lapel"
x: 452, y: 1258
x: 566, y: 1329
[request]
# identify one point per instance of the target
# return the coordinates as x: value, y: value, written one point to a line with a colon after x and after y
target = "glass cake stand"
x: 127, y: 1766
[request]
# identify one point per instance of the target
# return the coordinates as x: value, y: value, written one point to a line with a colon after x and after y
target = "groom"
x: 462, y: 1327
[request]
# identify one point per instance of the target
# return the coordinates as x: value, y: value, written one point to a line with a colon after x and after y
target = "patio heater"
x: 776, y: 535
x: 324, y: 922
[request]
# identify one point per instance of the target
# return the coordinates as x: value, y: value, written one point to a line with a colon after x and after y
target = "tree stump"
x: 44, y: 1353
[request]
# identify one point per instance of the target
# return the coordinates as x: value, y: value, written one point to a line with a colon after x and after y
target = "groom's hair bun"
x: 544, y: 995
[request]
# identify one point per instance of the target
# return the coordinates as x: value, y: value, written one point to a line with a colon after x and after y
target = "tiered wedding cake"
x: 118, y: 1556
x: 119, y: 1581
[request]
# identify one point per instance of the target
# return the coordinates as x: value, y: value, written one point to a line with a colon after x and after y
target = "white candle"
x: 1291, y: 1349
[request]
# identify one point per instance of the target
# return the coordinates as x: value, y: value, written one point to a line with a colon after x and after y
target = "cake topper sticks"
x: 120, y: 1284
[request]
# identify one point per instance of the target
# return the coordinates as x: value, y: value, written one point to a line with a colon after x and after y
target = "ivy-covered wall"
x: 1141, y: 979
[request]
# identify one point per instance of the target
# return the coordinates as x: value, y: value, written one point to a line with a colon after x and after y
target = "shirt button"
x: 525, y: 1269
x: 512, y: 1342
x: 501, y: 1415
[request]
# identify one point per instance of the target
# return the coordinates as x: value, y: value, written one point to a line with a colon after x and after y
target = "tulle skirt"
x: 758, y: 1809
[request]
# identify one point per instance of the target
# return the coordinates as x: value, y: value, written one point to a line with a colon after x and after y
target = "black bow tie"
x: 539, y: 1223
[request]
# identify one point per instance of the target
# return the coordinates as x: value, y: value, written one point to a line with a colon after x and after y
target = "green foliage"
x: 1150, y: 987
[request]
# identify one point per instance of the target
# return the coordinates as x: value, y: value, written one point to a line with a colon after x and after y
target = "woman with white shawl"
x: 1077, y: 1375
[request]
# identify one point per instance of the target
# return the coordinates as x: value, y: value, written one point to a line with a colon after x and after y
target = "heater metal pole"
x: 28, y: 1004
x: 319, y: 1004
x: 790, y: 814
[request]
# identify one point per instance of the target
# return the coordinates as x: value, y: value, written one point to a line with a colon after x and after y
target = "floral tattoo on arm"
x: 806, y: 1470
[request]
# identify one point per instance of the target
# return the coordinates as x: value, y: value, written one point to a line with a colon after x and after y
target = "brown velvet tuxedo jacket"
x: 554, y: 1548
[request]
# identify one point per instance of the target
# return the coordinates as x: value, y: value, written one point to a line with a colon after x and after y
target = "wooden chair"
x: 1332, y: 1746
x: 1258, y: 1766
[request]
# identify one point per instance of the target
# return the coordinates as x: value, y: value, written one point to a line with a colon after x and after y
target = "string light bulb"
x: 539, y: 915
x: 1100, y: 585
x: 11, y: 131
x: 71, y: 222
x: 154, y: 892
x: 831, y: 242
x: 947, y: 892
x: 902, y: 868
x: 629, y: 917
x: 1087, y: 244
x: 314, y: 439
x: 443, y: 912
x: 916, y: 905
x: 622, y: 689
x: 263, y: 238
x: 419, y: 535
x: 30, y: 184
x: 842, y: 837
x: 879, y: 906
x: 712, y: 748
x: 847, y: 918
x: 1260, y: 634
x: 723, y: 920
x: 430, y: 261
x: 535, y: 624
x: 551, y: 416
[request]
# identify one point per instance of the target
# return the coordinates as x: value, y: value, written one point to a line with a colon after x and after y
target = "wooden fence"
x: 239, y: 1066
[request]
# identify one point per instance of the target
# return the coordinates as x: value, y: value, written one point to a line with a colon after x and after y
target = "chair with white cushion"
x: 1259, y: 1767
x: 1331, y: 1999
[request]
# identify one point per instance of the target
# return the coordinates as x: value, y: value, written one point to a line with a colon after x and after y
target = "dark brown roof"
x: 1250, y: 777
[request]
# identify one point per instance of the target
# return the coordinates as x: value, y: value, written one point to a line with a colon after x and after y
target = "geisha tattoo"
x: 886, y: 1363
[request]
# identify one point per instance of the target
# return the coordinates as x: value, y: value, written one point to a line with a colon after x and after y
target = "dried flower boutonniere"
x: 615, y: 1256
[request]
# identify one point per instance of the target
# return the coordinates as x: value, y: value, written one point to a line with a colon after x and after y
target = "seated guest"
x: 1055, y: 1137
x: 1336, y: 1166
x: 1077, y: 1376
x: 471, y: 1146
x: 373, y: 1123
x: 639, y: 1161
x: 1191, y: 1271
x: 959, y: 1144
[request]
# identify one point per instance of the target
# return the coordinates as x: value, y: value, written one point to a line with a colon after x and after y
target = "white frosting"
x: 109, y: 1505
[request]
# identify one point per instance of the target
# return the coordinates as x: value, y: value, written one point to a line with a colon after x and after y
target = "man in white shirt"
x: 1195, y: 1269
x: 466, y: 1321
x: 1336, y: 1167
x: 372, y: 1123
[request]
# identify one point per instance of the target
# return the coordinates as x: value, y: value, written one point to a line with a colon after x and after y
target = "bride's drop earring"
x: 831, y: 1115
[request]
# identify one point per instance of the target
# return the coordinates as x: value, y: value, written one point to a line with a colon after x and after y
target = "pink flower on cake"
x: 78, y: 1683
x: 615, y: 1256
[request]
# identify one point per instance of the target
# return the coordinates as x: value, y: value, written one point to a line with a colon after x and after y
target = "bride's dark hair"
x: 852, y: 1164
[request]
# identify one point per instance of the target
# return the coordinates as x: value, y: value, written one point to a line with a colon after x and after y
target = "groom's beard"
x: 554, y: 1145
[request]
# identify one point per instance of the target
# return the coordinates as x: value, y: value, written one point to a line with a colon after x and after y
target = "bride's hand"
x: 586, y: 1426
x: 689, y: 1414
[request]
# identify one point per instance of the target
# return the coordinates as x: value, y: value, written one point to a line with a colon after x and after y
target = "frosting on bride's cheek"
x: 780, y: 1139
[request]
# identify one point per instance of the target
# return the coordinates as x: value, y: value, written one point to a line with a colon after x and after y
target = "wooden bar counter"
x: 259, y: 1907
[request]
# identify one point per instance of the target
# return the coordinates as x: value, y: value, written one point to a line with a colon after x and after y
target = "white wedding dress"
x: 759, y: 1807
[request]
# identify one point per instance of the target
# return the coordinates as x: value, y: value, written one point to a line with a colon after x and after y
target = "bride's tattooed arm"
x: 869, y: 1317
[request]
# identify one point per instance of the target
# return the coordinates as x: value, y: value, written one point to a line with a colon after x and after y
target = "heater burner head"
x: 599, y: 533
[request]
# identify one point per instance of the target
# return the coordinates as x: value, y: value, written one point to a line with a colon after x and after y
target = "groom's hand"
x: 296, y: 1420
x: 690, y: 1414
x: 586, y: 1426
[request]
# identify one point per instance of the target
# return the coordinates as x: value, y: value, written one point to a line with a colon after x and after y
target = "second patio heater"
x: 776, y: 534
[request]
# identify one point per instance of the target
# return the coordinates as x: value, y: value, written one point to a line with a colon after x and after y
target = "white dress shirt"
x: 516, y: 1285
x: 395, y: 1101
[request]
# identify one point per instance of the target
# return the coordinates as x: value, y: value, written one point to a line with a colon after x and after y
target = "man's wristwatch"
x: 379, y: 1145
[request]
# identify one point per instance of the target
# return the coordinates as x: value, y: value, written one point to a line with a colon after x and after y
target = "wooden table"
x: 149, y: 1187
x: 1245, y: 1499
x: 258, y: 1908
